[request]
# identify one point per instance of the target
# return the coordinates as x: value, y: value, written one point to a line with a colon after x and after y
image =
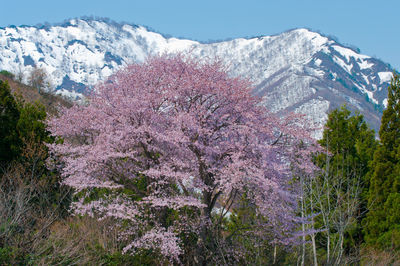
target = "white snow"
x: 344, y: 65
x: 346, y: 52
x: 365, y: 78
x: 364, y: 64
x: 70, y: 95
x: 316, y: 112
x: 370, y: 96
x: 316, y: 39
x: 133, y: 44
x: 280, y: 65
x: 354, y: 102
x: 385, y: 102
x: 385, y: 76
x: 176, y: 45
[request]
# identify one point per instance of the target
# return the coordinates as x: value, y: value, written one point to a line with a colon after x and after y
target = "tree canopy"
x: 20, y: 122
x: 9, y: 116
x: 382, y: 224
x: 175, y: 136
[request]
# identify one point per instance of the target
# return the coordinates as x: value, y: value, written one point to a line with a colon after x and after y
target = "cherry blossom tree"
x: 170, y: 146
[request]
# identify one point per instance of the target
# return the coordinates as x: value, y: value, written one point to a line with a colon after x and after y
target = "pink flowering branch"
x: 180, y: 135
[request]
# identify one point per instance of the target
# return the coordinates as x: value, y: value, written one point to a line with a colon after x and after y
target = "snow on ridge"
x: 285, y: 66
x: 316, y: 38
x: 175, y: 45
x: 135, y: 43
x: 347, y: 52
x: 385, y: 76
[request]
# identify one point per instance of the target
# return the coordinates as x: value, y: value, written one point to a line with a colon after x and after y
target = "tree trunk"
x: 303, y: 252
x: 314, y: 249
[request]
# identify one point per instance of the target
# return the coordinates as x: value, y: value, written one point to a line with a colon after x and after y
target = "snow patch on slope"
x: 364, y: 64
x: 385, y: 76
x: 346, y: 52
x: 316, y: 111
x: 385, y: 102
x: 344, y: 65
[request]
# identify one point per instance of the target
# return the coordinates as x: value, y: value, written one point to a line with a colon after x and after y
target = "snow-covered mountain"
x: 298, y: 70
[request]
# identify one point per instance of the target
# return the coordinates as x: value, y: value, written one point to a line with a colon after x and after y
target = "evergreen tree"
x: 30, y: 125
x: 20, y: 122
x: 382, y: 224
x: 351, y: 142
x: 342, y: 187
x: 9, y: 116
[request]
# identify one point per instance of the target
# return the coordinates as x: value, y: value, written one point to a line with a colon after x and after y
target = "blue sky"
x: 373, y: 26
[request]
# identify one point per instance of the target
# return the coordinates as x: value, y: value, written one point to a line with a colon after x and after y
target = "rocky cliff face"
x: 298, y: 70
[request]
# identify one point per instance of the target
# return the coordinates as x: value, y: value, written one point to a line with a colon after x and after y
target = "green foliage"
x: 31, y: 123
x: 351, y: 145
x: 348, y: 135
x: 23, y: 136
x: 20, y: 123
x: 255, y: 249
x: 142, y: 257
x: 7, y: 74
x: 6, y: 255
x: 382, y: 222
x: 9, y: 116
x: 116, y: 259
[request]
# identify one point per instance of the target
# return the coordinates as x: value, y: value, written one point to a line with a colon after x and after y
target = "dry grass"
x: 78, y: 241
x: 375, y: 257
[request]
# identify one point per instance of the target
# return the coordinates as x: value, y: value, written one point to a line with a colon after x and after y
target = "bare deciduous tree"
x: 28, y: 206
x: 38, y: 78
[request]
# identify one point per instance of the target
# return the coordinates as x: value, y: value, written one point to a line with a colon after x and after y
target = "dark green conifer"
x: 9, y: 116
x: 382, y: 224
x: 351, y: 144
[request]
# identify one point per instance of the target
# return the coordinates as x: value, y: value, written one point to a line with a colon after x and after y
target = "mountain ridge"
x: 298, y: 70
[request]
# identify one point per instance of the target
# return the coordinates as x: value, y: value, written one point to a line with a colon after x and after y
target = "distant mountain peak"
x: 299, y: 70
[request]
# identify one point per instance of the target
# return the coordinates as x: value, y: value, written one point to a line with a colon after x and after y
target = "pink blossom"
x: 196, y: 135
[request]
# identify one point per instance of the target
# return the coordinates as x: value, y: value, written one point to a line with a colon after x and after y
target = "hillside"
x: 51, y: 101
